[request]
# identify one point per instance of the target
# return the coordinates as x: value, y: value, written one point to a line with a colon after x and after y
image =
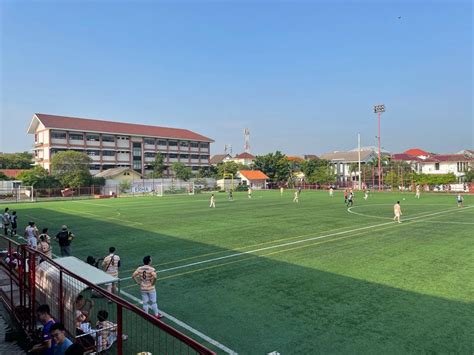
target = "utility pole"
x: 378, y: 109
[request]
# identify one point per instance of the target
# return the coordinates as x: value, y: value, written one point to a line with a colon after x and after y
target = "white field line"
x: 185, y: 326
x: 295, y: 242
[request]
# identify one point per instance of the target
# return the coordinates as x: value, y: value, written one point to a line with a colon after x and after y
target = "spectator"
x: 84, y: 305
x: 111, y: 266
x: 83, y: 327
x: 14, y: 222
x: 62, y: 342
x: 64, y: 239
x: 31, y: 235
x: 5, y: 221
x: 44, y: 245
x: 108, y: 335
x: 47, y: 343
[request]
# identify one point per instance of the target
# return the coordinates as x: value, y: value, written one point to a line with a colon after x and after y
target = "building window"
x: 195, y: 168
x: 93, y: 153
x: 108, y: 153
x: 194, y: 156
x: 162, y: 142
x: 204, y: 145
x: 184, y: 144
x: 137, y: 165
x: 184, y: 156
x: 194, y: 145
x: 172, y: 143
x: 172, y: 156
x: 123, y: 138
x: 149, y: 155
x: 204, y: 157
x: 149, y: 141
x: 58, y: 135
x: 92, y: 137
x: 108, y: 166
x: 76, y: 136
x: 436, y: 166
x: 108, y: 139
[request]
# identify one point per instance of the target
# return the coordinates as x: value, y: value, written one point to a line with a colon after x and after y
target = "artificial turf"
x: 317, y: 278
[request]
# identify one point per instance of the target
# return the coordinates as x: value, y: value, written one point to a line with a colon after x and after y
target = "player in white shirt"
x: 281, y: 190
x: 249, y: 192
x: 397, y: 211
x: 460, y: 200
x: 417, y: 194
x: 296, y: 197
x: 213, y: 201
x: 366, y: 194
x: 110, y: 265
x: 331, y: 192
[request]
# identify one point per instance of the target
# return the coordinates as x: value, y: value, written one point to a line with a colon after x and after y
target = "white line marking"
x: 296, y: 242
x: 185, y: 326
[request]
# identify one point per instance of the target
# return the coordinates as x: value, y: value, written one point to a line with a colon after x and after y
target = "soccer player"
x: 110, y: 265
x: 397, y: 210
x: 145, y: 277
x: 231, y: 197
x: 331, y: 192
x: 249, y: 192
x: 345, y: 197
x: 281, y: 190
x: 460, y: 200
x: 350, y: 199
x: 213, y: 201
x: 366, y: 194
x: 14, y: 221
x: 296, y: 197
x: 5, y: 221
x: 417, y: 194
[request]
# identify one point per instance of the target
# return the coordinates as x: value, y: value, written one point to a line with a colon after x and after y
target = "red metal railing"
x: 134, y: 330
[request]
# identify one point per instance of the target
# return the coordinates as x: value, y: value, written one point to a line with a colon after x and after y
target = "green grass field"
x: 315, y: 278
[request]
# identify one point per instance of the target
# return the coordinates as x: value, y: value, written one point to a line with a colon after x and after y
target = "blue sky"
x: 302, y: 75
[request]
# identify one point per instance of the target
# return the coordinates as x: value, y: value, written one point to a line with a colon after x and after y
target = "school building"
x: 117, y: 144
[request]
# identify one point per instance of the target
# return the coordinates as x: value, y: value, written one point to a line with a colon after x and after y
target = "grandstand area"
x: 258, y: 275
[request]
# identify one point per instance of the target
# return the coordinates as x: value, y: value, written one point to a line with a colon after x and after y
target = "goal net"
x: 16, y: 194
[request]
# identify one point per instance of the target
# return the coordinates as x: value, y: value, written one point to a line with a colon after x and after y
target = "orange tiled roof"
x: 253, y: 174
x: 245, y: 156
x: 294, y: 158
x: 12, y: 173
x: 416, y: 152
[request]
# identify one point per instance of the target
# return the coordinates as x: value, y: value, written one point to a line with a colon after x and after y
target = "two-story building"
x: 117, y: 144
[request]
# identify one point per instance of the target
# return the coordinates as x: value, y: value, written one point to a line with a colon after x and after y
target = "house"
x: 310, y: 157
x: 119, y: 174
x: 220, y: 158
x: 253, y: 178
x: 12, y: 173
x: 117, y: 144
x: 244, y: 158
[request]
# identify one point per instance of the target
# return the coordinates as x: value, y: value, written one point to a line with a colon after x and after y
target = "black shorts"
x: 13, y: 225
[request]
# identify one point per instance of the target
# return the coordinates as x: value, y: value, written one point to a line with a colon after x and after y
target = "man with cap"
x: 64, y: 239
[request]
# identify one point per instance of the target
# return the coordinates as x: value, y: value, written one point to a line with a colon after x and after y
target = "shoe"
x: 159, y: 316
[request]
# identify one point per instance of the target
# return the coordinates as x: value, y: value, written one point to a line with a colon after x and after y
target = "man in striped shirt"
x: 110, y: 265
x: 145, y: 276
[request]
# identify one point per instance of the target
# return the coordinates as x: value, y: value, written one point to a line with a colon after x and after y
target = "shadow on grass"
x: 261, y: 305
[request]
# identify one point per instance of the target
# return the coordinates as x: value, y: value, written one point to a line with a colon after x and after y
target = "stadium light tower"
x: 378, y: 109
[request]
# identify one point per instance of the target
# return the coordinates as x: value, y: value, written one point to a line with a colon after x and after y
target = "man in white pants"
x: 417, y: 194
x: 145, y: 276
x: 110, y: 265
x: 213, y: 201
x: 296, y: 197
x: 397, y: 210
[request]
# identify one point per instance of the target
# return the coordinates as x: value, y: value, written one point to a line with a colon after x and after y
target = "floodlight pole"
x: 379, y: 109
x: 358, y: 141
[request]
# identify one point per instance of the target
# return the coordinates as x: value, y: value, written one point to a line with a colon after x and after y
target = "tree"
x: 3, y: 177
x: 207, y: 172
x: 275, y: 166
x: 16, y: 160
x: 319, y: 171
x: 469, y: 177
x: 181, y: 171
x: 158, y: 166
x: 38, y: 177
x: 229, y: 167
x: 71, y: 168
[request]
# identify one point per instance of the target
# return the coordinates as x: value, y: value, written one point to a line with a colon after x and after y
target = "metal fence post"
x: 61, y: 301
x: 119, y: 330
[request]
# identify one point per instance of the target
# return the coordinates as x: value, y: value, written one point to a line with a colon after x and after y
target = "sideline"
x: 185, y: 326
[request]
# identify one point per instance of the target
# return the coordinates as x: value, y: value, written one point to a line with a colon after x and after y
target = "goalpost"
x: 17, y: 194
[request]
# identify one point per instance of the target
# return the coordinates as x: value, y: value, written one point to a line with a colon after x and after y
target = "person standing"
x: 231, y: 196
x: 281, y: 190
x: 145, y: 277
x: 14, y: 222
x: 44, y: 244
x: 397, y: 210
x: 345, y: 197
x: 350, y: 199
x: 417, y: 194
x: 110, y: 265
x: 460, y: 200
x: 249, y: 192
x: 296, y: 197
x: 331, y: 192
x: 31, y: 232
x: 213, y: 201
x: 64, y: 239
x: 6, y: 221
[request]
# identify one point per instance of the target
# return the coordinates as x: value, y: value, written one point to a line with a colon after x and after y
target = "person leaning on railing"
x: 64, y: 238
